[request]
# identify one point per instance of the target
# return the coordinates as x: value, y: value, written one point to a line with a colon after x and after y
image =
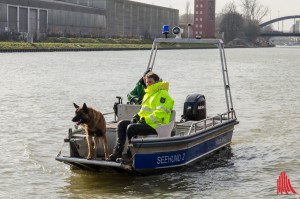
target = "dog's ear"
x: 76, y: 106
x: 85, y: 108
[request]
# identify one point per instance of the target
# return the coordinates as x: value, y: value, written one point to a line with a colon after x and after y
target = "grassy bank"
x: 89, y: 43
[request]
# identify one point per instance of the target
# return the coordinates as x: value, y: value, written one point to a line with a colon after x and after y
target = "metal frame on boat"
x: 188, y: 141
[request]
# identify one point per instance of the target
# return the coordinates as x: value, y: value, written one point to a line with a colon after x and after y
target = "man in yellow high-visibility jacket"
x: 156, y: 110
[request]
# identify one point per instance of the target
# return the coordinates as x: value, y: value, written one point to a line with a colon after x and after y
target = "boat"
x: 178, y: 145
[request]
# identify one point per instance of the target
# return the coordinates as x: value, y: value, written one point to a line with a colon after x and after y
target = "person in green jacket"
x: 138, y: 92
x: 156, y: 110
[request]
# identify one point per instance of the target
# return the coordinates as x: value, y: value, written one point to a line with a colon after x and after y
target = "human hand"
x: 135, y: 119
x: 142, y: 121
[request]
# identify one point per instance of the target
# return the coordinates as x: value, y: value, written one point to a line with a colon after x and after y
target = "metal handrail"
x: 220, y: 117
x: 217, y: 42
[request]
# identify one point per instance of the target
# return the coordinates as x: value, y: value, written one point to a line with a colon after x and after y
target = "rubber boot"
x: 129, y: 155
x: 117, y: 152
x: 126, y: 158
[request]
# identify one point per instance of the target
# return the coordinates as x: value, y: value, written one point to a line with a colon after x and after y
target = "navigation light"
x: 166, y: 30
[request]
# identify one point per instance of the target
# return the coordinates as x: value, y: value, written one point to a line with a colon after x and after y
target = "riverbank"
x: 52, y: 44
x: 49, y: 47
x: 86, y: 44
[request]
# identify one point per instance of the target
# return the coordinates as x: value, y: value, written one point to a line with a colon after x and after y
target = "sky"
x: 278, y: 8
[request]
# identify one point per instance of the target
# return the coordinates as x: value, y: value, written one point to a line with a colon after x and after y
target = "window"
x: 43, y: 21
x: 12, y: 18
x: 23, y: 19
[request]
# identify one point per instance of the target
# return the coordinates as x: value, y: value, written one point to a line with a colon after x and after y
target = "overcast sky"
x: 278, y: 7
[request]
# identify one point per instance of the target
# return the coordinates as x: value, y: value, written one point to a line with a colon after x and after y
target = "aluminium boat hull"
x: 180, y: 151
x: 154, y: 155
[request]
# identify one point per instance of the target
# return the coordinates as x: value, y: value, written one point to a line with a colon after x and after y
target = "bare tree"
x: 246, y: 25
x: 229, y: 7
x: 231, y: 23
x: 253, y: 10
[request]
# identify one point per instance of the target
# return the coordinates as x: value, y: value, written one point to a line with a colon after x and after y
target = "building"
x: 83, y: 18
x: 204, y: 18
x: 133, y: 19
x: 39, y: 18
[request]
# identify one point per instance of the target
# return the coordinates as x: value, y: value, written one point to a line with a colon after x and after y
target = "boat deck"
x: 181, y: 128
x: 111, y: 125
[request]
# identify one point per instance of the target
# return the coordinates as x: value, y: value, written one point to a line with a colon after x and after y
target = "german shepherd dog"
x: 94, y: 125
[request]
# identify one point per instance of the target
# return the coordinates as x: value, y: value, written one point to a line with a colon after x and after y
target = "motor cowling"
x: 194, y: 107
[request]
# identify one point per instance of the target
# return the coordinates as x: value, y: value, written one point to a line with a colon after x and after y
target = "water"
x: 38, y: 89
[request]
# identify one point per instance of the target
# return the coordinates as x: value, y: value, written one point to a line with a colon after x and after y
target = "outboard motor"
x: 194, y: 108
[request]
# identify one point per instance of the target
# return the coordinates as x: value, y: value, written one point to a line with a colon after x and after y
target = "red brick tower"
x: 204, y: 18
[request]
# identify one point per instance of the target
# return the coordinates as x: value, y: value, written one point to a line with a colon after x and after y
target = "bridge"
x: 278, y: 33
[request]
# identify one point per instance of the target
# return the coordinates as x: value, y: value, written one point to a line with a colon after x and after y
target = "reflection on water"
x: 171, y: 184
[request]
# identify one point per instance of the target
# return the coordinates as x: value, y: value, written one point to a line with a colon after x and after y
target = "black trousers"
x: 132, y: 130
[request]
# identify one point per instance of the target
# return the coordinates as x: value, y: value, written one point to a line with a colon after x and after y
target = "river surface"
x: 37, y: 94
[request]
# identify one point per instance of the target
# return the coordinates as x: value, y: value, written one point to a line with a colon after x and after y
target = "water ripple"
x: 36, y: 111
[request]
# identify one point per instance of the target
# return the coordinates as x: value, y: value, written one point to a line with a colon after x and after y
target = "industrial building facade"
x: 204, y: 18
x: 84, y: 18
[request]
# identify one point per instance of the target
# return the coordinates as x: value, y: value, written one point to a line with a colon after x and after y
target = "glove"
x: 134, y: 100
x: 142, y: 121
x: 135, y: 119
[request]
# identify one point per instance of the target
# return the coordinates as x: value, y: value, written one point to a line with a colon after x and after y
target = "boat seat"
x: 166, y: 129
x: 163, y: 130
x: 126, y: 111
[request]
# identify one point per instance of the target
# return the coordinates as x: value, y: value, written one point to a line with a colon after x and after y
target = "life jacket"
x: 157, y: 105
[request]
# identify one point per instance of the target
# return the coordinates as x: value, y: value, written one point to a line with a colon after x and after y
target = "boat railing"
x: 212, y: 121
x: 193, y: 126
